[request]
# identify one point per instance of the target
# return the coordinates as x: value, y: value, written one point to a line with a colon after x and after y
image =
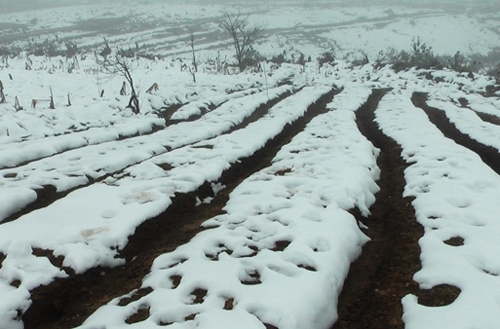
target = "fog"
x: 21, y: 5
x: 309, y: 26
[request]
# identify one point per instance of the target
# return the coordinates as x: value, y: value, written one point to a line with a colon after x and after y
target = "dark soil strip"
x: 204, y: 110
x: 66, y: 303
x: 257, y: 114
x: 261, y: 111
x: 167, y: 112
x: 44, y: 197
x: 490, y: 118
x: 154, y: 129
x: 382, y: 275
x: 48, y: 193
x: 488, y: 154
x: 486, y: 117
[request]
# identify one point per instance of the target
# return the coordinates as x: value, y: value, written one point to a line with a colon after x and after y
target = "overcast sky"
x: 19, y: 5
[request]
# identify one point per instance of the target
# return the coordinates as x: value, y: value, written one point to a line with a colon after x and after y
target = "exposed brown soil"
x: 382, y: 275
x: 493, y: 119
x: 154, y: 129
x: 490, y: 118
x: 48, y: 193
x: 66, y: 303
x: 377, y: 281
x: 488, y: 154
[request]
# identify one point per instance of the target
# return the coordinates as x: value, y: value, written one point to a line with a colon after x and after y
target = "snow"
x: 94, y: 226
x: 455, y: 195
x: 308, y: 27
x: 330, y: 168
x: 301, y: 201
x: 280, y: 252
x: 77, y: 166
x: 470, y: 123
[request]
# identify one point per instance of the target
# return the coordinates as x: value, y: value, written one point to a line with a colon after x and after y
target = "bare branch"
x: 243, y: 33
x: 121, y: 66
x: 190, y: 41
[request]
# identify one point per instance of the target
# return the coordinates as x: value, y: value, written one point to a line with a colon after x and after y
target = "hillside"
x: 325, y: 194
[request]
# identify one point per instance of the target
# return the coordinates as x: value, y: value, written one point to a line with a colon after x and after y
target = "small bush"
x: 71, y: 49
x: 49, y: 48
x: 251, y: 58
x: 494, y: 72
x: 420, y: 56
x: 279, y: 59
x: 358, y: 59
x: 4, y: 51
x: 328, y: 57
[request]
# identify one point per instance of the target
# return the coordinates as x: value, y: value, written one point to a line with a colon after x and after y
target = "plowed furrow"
x: 382, y: 275
x: 261, y: 111
x: 488, y: 154
x: 165, y: 113
x: 490, y: 118
x: 48, y: 194
x: 65, y: 303
x: 119, y: 137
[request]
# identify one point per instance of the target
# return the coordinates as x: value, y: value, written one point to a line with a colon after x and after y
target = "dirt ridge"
x: 155, y: 128
x: 48, y: 193
x: 66, y: 303
x: 382, y: 275
x: 488, y: 154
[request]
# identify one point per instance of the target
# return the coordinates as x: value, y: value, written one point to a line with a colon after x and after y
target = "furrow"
x: 48, y: 193
x: 37, y: 149
x: 33, y: 153
x: 382, y: 275
x: 488, y: 154
x: 65, y: 303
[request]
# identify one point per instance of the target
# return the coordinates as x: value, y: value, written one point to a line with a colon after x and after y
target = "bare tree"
x: 190, y: 42
x: 121, y: 66
x: 243, y: 33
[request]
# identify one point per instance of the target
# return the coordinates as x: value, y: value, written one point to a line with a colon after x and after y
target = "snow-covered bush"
x: 327, y: 57
x: 420, y: 56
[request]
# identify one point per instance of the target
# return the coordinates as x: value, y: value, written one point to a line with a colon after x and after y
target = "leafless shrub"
x: 244, y: 34
x: 122, y: 66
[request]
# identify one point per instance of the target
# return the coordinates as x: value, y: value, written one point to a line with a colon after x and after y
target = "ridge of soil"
x: 48, y: 193
x: 66, y: 303
x: 155, y: 128
x: 490, y: 118
x: 383, y: 274
x: 488, y: 154
x: 486, y: 117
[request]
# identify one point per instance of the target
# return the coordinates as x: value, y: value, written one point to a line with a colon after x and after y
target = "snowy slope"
x: 455, y: 197
x: 280, y: 252
x: 283, y: 239
x: 310, y: 27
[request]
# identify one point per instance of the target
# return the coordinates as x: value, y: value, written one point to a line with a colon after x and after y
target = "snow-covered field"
x: 280, y: 251
x: 310, y: 27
